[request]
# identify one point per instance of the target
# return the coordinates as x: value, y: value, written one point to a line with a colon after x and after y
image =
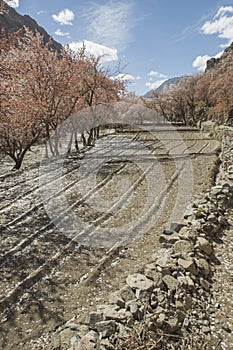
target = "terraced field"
x: 52, y: 267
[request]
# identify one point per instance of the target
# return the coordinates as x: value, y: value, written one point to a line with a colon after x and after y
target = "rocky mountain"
x: 225, y: 59
x: 11, y: 21
x: 163, y: 87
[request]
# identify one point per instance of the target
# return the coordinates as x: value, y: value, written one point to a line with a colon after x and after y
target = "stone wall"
x: 168, y: 304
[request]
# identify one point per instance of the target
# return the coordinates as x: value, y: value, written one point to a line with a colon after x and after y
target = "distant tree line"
x: 200, y: 97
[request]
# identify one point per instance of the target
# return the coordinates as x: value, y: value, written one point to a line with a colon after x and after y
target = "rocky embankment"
x: 172, y: 302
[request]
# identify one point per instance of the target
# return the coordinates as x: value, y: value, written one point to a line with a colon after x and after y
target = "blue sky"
x: 153, y: 39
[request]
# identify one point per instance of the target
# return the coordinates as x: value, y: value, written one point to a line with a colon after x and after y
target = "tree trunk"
x: 70, y: 143
x: 18, y: 163
x: 19, y: 156
x: 97, y: 132
x: 90, y: 140
x: 84, y: 140
x: 57, y: 140
x: 76, y: 141
x: 46, y: 150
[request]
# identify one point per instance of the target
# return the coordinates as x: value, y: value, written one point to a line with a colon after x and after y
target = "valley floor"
x: 47, y: 276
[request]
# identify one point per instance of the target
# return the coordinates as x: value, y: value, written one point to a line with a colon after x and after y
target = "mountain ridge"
x: 164, y: 86
x: 225, y: 58
x: 11, y: 21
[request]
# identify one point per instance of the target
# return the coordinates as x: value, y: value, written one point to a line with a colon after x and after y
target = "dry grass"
x: 140, y: 338
x: 146, y: 336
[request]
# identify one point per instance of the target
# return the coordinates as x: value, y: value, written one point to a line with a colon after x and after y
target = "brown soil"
x: 45, y: 280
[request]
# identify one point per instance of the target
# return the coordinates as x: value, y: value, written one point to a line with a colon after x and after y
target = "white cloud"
x: 124, y: 77
x: 200, y: 61
x: 65, y: 17
x: 155, y: 84
x: 155, y: 79
x: 12, y: 3
x: 111, y: 23
x: 155, y: 74
x: 41, y: 12
x: 219, y: 54
x: 107, y: 54
x: 221, y: 24
x: 60, y: 33
x: 223, y: 10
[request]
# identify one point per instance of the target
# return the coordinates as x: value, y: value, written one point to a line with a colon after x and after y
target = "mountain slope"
x: 11, y: 21
x: 225, y: 60
x: 164, y: 86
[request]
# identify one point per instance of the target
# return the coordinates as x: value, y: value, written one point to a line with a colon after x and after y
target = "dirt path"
x: 45, y: 278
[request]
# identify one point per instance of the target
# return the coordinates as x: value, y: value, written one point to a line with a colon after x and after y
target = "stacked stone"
x: 226, y: 169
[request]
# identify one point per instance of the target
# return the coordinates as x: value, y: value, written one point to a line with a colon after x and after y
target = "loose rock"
x: 139, y: 281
